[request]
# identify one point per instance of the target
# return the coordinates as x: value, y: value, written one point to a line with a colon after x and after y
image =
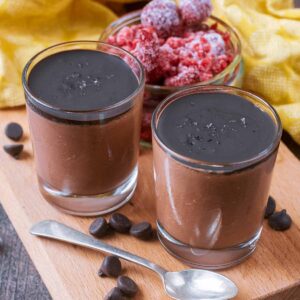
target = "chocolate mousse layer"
x: 82, y: 80
x: 80, y: 147
x: 208, y: 196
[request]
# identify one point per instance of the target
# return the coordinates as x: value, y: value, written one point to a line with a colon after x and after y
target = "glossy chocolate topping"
x: 219, y: 127
x: 82, y: 80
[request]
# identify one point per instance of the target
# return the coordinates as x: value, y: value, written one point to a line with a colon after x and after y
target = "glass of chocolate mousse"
x: 84, y: 104
x: 214, y: 151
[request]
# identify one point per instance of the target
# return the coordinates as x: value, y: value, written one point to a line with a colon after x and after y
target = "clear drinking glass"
x: 210, y: 215
x: 86, y: 161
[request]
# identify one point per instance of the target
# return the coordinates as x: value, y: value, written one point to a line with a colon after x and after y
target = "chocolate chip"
x: 14, y: 131
x: 111, y: 266
x: 280, y: 220
x: 142, y: 231
x: 127, y: 286
x: 13, y: 150
x: 99, y: 227
x: 120, y: 223
x: 115, y: 294
x: 271, y: 205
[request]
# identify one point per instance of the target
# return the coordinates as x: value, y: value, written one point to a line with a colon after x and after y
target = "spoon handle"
x: 54, y: 230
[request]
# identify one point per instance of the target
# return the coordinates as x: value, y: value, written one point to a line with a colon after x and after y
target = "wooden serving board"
x: 70, y: 272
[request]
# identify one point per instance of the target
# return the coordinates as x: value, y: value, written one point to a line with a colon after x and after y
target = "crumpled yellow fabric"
x: 28, y: 26
x: 270, y: 34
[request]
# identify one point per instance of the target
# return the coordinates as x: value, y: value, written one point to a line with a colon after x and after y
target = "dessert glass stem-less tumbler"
x: 84, y: 104
x: 214, y: 150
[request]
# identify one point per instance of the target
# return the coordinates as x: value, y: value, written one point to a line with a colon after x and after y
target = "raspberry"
x: 216, y: 43
x: 168, y: 59
x: 145, y: 47
x: 175, y: 42
x: 219, y: 64
x: 194, y: 12
x: 112, y: 40
x: 163, y: 16
x: 125, y: 36
x: 206, y: 64
x: 146, y: 126
x: 186, y: 76
x: 141, y: 41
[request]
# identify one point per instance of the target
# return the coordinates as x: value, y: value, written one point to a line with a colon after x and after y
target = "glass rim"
x: 135, y: 16
x: 214, y: 167
x: 121, y: 103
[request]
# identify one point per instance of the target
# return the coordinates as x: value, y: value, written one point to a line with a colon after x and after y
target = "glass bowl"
x: 232, y: 75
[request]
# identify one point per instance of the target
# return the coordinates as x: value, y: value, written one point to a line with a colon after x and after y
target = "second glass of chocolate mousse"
x: 214, y: 151
x: 84, y: 103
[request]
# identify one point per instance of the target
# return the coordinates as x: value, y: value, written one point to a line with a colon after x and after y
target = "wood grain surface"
x: 70, y: 272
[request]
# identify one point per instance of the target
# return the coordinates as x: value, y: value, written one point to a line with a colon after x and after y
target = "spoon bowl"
x: 192, y: 284
x: 198, y: 284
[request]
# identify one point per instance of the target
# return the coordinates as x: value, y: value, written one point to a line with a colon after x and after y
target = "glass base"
x: 205, y: 258
x: 91, y: 205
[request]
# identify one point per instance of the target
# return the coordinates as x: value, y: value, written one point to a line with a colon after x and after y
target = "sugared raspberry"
x: 216, y: 43
x: 168, y: 59
x: 220, y: 63
x: 141, y: 41
x: 193, y: 12
x: 186, y: 76
x: 125, y: 36
x: 145, y: 47
x: 163, y: 16
x: 205, y: 64
x: 112, y: 40
x: 146, y: 126
x: 175, y: 42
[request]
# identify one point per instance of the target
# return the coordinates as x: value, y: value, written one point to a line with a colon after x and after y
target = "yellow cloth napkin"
x: 28, y: 26
x: 270, y: 34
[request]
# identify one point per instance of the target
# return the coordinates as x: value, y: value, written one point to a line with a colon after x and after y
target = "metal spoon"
x: 187, y: 284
